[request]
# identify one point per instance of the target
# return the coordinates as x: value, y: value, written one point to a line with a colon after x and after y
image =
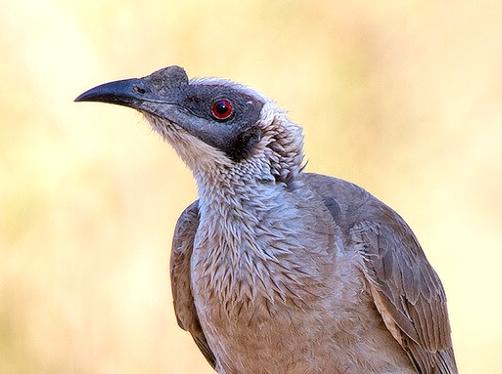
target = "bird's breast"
x: 270, y: 300
x: 274, y: 292
x: 263, y: 316
x: 259, y: 289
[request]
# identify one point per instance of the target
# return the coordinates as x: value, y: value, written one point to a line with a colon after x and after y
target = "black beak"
x: 127, y: 92
x: 158, y: 94
x: 160, y: 87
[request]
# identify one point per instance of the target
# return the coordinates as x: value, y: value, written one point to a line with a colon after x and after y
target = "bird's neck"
x: 244, y: 223
x: 232, y: 203
x: 254, y: 242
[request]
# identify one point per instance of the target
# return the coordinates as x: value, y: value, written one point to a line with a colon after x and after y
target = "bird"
x: 274, y: 269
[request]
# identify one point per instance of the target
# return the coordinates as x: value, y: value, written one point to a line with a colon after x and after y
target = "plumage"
x: 181, y: 255
x: 390, y: 252
x: 275, y: 270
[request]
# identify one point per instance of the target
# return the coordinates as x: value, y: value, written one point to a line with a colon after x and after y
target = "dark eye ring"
x: 222, y: 109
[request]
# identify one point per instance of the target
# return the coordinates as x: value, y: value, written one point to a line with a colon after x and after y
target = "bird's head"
x: 216, y: 126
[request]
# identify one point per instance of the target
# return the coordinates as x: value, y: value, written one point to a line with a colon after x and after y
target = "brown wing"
x: 181, y: 253
x: 406, y: 290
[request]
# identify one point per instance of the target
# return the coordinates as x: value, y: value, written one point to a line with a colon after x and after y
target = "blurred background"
x: 401, y: 97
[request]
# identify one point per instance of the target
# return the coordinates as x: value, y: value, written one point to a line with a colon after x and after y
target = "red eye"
x: 222, y: 109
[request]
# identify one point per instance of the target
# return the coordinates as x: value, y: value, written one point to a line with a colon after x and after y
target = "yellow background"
x: 401, y: 97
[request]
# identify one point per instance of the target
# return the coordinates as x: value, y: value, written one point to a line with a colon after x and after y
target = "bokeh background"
x: 401, y: 97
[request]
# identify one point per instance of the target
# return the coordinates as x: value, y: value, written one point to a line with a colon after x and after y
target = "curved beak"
x: 158, y: 94
x: 161, y: 87
x: 127, y: 92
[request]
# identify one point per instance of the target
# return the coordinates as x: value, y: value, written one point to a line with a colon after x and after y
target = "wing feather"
x: 181, y: 253
x: 405, y: 288
x: 409, y: 291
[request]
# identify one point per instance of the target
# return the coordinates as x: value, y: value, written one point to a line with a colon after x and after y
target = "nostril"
x: 139, y: 90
